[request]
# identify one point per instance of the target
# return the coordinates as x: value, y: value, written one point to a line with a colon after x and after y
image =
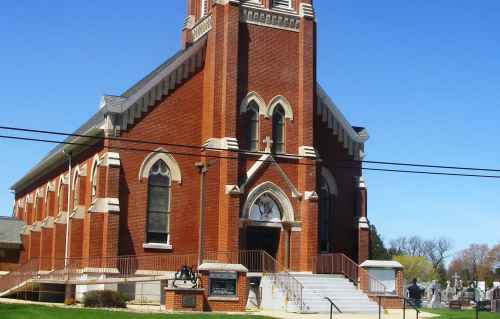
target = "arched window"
x: 265, y: 209
x: 327, y: 194
x: 158, y: 214
x: 38, y: 208
x: 60, y: 198
x: 325, y: 206
x: 76, y: 192
x: 93, y: 190
x: 279, y: 130
x: 252, y: 120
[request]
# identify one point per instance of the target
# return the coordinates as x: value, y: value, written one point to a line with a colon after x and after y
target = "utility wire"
x: 236, y: 158
x: 30, y: 139
x: 20, y: 129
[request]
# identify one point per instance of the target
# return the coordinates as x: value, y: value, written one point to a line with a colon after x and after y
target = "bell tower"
x: 262, y: 51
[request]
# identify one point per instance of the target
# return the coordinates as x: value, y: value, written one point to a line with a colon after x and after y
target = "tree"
x: 434, y: 250
x: 477, y: 262
x: 378, y: 250
x: 417, y: 267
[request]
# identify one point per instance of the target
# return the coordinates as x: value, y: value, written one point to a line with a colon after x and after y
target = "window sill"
x: 223, y: 299
x: 157, y: 246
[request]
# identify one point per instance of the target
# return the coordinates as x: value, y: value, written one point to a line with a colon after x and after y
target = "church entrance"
x: 263, y: 238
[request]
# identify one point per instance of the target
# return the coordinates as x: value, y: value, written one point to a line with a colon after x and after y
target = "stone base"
x: 184, y: 299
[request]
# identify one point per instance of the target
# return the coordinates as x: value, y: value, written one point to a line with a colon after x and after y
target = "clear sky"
x: 422, y: 76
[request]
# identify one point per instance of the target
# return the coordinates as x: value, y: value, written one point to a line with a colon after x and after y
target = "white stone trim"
x: 277, y: 193
x: 225, y: 143
x: 311, y: 196
x: 392, y: 264
x: 26, y: 230
x: 153, y: 157
x: 256, y: 167
x: 157, y: 246
x: 48, y: 222
x: 189, y: 22
x: 253, y: 97
x: 281, y: 100
x: 110, y: 159
x: 210, y: 266
x: 308, y: 151
x: 29, y: 199
x: 330, y: 180
x: 105, y: 205
x: 280, y: 19
x: 233, y: 190
x: 202, y: 27
x: 61, y: 218
x: 307, y: 10
x: 78, y: 213
x: 363, y: 223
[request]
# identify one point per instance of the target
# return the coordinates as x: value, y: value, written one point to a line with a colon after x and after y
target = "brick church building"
x: 236, y: 121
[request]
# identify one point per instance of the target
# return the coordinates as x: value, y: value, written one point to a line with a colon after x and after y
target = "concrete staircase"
x: 344, y: 294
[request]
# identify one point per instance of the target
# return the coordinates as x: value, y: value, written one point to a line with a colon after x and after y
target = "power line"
x: 30, y: 139
x: 268, y: 161
x: 241, y: 151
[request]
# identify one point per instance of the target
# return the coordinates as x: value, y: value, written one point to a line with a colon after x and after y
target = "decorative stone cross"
x: 456, y: 278
x: 269, y: 142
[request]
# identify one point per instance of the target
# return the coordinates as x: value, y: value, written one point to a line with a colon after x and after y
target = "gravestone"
x: 495, y: 300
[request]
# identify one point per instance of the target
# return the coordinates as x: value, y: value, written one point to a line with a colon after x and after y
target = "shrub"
x: 104, y: 299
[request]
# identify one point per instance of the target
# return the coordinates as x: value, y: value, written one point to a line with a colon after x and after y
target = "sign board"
x: 222, y: 284
x: 189, y: 301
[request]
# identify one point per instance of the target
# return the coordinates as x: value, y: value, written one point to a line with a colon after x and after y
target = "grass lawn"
x: 42, y: 312
x: 464, y: 314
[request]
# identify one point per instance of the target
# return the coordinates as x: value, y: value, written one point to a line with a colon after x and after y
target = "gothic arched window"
x: 93, y: 186
x: 327, y: 195
x: 279, y: 130
x: 76, y: 192
x: 60, y: 197
x: 266, y: 209
x: 252, y: 120
x: 158, y: 215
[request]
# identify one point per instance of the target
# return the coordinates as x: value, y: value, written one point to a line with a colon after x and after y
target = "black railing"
x: 332, y: 305
x: 406, y: 302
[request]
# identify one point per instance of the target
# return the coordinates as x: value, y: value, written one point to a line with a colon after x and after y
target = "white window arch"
x: 164, y: 155
x: 94, y: 178
x: 283, y: 102
x: 159, y: 199
x: 272, y: 201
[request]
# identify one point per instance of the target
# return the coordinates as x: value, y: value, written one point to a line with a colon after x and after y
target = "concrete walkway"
x: 147, y: 309
x: 390, y: 314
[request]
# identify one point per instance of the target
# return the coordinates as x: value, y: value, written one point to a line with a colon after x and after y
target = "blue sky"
x: 423, y: 77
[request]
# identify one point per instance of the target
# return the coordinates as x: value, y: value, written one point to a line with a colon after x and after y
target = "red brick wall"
x: 10, y: 261
x: 173, y: 300
x: 59, y: 246
x: 47, y: 235
x: 238, y: 305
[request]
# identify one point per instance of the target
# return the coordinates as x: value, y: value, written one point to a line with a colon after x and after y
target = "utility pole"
x: 68, y: 296
x: 202, y: 169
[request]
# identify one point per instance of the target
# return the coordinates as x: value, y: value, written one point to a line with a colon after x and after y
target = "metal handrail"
x: 341, y: 264
x: 405, y: 302
x: 332, y: 304
x: 283, y: 279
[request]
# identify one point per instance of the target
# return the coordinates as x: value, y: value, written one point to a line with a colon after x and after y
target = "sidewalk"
x: 151, y: 309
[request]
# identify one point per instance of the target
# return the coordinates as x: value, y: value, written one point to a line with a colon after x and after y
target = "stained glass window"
x: 265, y: 209
x: 158, y: 219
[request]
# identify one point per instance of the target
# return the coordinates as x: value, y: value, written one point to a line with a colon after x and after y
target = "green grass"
x: 43, y: 312
x: 464, y: 314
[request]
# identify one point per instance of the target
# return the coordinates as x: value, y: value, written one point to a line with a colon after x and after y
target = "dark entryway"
x: 263, y: 238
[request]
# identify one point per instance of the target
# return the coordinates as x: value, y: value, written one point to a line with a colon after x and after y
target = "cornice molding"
x: 270, y: 18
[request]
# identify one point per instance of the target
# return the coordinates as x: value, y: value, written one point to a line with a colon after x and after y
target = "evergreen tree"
x: 378, y: 250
